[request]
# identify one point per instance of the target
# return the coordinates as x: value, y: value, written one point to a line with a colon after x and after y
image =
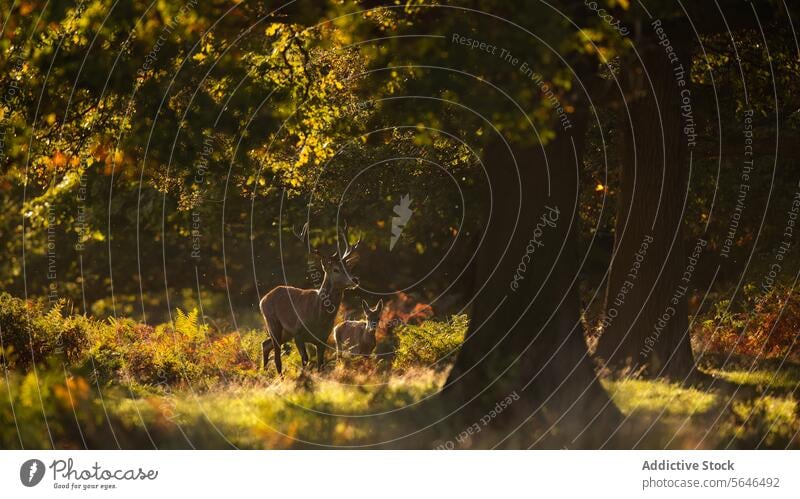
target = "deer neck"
x: 330, y: 297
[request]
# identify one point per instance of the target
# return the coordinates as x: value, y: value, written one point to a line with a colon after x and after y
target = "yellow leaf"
x: 272, y: 29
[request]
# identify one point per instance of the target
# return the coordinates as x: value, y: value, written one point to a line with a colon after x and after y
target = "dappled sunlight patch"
x: 333, y: 398
x: 764, y: 422
x: 346, y: 432
x: 287, y: 412
x: 788, y: 378
x: 417, y: 383
x: 132, y: 411
x: 432, y: 343
x: 634, y: 396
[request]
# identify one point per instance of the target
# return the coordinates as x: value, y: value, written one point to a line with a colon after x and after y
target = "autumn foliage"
x: 767, y: 326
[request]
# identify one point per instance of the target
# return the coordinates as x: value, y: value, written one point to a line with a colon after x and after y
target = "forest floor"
x: 347, y: 408
x: 119, y: 384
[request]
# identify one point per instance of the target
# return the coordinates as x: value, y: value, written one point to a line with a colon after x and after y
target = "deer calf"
x: 358, y: 337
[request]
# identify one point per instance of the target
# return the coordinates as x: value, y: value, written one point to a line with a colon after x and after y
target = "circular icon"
x: 31, y: 472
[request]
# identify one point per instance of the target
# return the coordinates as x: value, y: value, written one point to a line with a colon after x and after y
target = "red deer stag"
x: 358, y: 337
x: 306, y: 315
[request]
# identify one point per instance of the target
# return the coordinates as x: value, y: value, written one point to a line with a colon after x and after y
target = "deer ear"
x: 365, y: 306
x: 379, y: 306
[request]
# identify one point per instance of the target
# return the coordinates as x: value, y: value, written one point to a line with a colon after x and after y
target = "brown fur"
x: 358, y: 337
x: 293, y: 307
x: 304, y: 315
x: 354, y: 337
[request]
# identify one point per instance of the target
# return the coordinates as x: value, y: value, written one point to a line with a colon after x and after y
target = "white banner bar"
x: 400, y: 474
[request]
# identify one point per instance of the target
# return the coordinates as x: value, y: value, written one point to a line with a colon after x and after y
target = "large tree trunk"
x: 646, y: 320
x: 525, y: 338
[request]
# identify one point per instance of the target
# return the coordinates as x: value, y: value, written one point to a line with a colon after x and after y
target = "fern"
x: 188, y: 325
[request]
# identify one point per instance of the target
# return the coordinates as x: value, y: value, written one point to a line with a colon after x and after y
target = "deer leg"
x: 275, y: 332
x: 320, y: 355
x: 277, y: 347
x: 301, y: 347
x: 266, y: 348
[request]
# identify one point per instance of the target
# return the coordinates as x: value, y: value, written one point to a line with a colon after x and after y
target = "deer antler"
x: 303, y: 234
x: 348, y: 249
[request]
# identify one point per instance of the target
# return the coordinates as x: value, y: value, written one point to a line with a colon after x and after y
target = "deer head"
x: 337, y: 267
x: 372, y: 315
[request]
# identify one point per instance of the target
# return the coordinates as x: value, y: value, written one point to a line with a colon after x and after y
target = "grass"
x: 351, y: 406
x: 667, y: 414
x: 312, y: 410
x: 109, y: 384
x: 788, y: 378
x: 635, y: 396
x: 767, y: 421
